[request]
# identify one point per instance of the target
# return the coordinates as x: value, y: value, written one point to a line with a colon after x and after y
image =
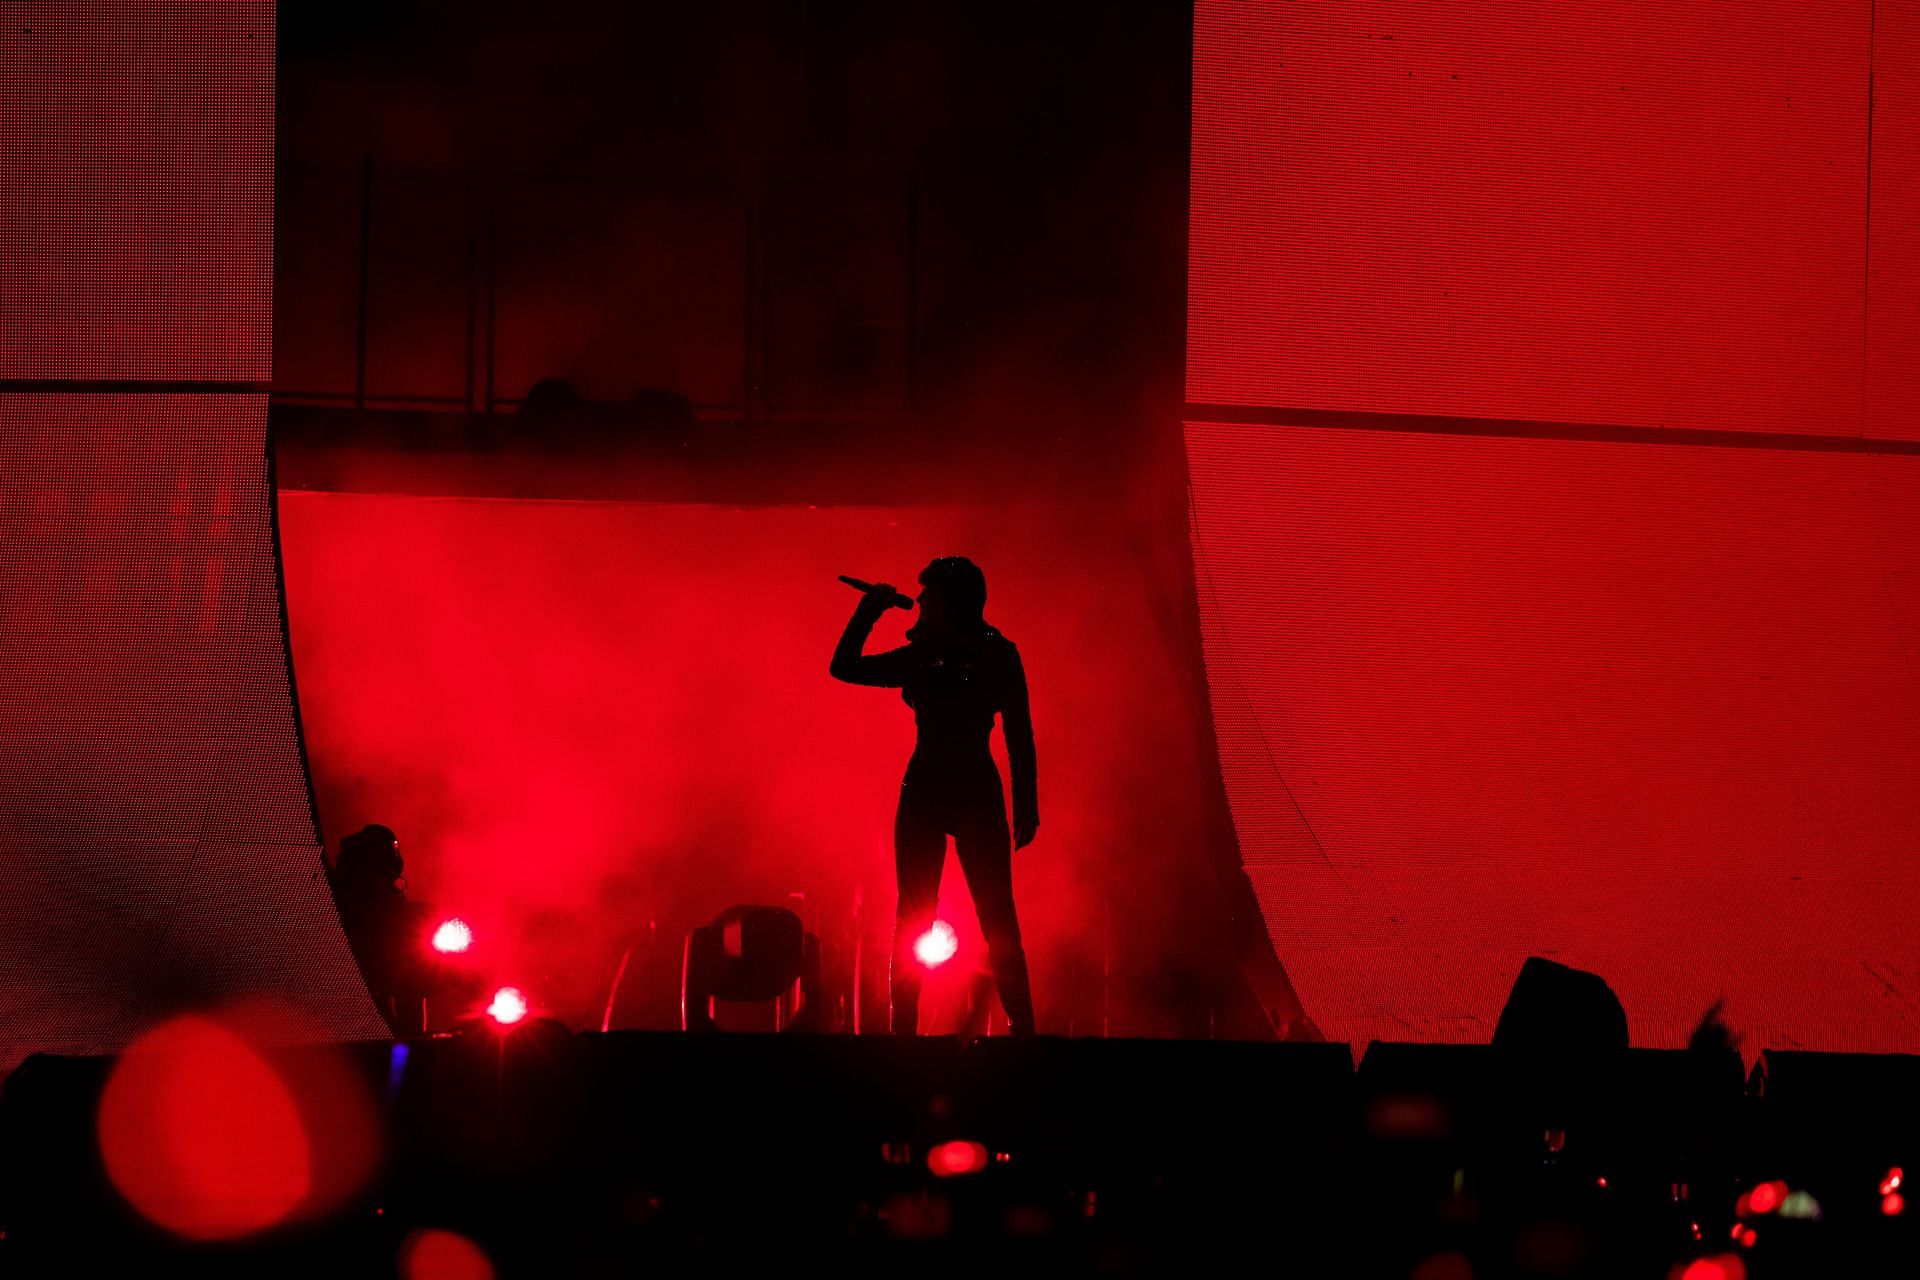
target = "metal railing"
x: 480, y: 197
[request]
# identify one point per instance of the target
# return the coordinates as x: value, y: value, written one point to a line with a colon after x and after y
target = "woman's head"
x: 370, y: 855
x: 953, y: 593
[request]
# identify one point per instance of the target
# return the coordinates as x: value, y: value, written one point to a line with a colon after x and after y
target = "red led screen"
x: 1893, y: 275
x: 595, y: 724
x: 136, y: 190
x: 1647, y: 710
x: 155, y: 826
x: 1650, y: 214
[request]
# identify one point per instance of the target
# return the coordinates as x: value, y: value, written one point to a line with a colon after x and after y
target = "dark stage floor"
x: 542, y: 1152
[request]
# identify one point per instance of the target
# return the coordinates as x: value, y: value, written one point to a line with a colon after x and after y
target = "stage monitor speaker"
x: 1560, y: 1017
x: 752, y: 955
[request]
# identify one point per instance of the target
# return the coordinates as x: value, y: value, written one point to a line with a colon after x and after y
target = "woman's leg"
x: 986, y: 856
x: 919, y: 855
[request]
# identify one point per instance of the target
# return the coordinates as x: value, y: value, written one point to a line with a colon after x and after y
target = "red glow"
x: 442, y: 1255
x: 937, y: 945
x: 508, y: 1007
x: 1725, y: 1266
x: 1766, y: 1197
x: 212, y: 1137
x: 604, y: 660
x: 453, y: 937
x: 951, y: 1159
x: 201, y: 1135
x: 1893, y: 1205
x: 1891, y: 1183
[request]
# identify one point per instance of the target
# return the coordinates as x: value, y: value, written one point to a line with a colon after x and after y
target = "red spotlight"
x: 1891, y: 1183
x: 509, y: 1006
x: 1893, y: 1204
x: 951, y: 1159
x: 453, y: 937
x: 1766, y: 1197
x: 937, y: 945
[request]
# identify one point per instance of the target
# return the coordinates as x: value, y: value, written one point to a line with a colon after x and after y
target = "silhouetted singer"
x: 956, y: 672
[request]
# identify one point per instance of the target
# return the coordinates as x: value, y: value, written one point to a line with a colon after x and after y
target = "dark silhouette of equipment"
x: 555, y: 414
x: 1556, y: 1015
x: 1560, y: 1044
x: 752, y: 955
x: 552, y: 395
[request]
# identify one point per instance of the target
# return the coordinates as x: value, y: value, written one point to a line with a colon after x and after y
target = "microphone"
x: 895, y: 601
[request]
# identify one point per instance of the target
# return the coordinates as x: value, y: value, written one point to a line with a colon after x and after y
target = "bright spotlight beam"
x: 453, y: 937
x: 509, y: 1006
x: 937, y: 945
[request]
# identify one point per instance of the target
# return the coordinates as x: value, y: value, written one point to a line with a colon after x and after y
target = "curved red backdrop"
x: 1539, y: 682
x: 155, y: 826
x: 157, y: 842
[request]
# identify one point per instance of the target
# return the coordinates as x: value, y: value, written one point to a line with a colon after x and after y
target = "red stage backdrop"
x: 136, y: 190
x: 1648, y: 708
x: 155, y: 829
x: 157, y: 843
x: 583, y: 717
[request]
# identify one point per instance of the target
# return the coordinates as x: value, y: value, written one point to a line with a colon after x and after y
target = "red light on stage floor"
x: 951, y: 1159
x: 509, y: 1006
x: 453, y: 937
x: 937, y: 945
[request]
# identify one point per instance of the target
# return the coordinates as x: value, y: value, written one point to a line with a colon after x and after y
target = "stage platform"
x: 554, y: 1153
